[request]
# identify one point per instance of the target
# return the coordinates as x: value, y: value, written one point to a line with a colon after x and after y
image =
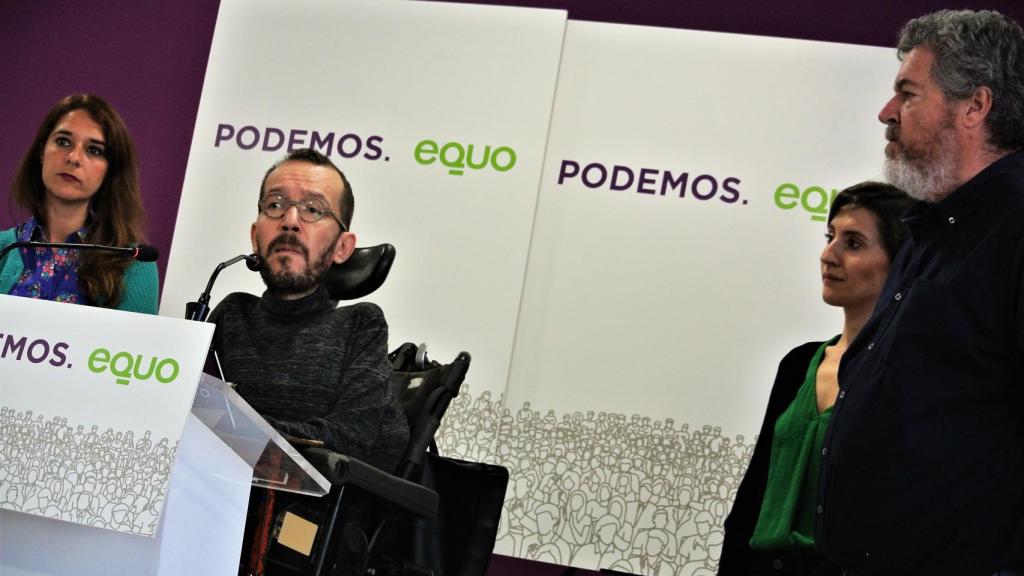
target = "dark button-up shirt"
x: 923, y: 464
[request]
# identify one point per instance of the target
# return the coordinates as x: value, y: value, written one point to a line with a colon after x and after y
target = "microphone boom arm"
x: 200, y: 309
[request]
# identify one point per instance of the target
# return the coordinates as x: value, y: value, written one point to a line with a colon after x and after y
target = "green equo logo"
x: 458, y: 157
x: 814, y: 200
x: 125, y: 367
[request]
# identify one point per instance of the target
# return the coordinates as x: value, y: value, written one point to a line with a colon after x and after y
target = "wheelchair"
x: 434, y: 516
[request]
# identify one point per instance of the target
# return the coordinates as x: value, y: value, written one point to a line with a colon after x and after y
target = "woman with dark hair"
x: 79, y: 182
x: 770, y: 529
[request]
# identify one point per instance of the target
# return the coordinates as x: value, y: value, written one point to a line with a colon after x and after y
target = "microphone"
x: 145, y: 253
x: 200, y: 309
x: 140, y: 252
x: 254, y: 262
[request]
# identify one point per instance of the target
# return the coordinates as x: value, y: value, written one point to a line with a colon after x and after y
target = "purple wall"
x: 148, y: 59
x: 870, y: 22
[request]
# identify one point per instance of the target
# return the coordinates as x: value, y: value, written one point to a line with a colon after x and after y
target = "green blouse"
x: 787, y: 514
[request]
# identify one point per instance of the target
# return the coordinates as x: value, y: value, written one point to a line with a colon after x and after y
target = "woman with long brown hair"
x: 79, y: 182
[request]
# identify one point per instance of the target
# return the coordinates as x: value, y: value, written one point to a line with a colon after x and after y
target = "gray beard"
x: 929, y: 183
x: 926, y: 175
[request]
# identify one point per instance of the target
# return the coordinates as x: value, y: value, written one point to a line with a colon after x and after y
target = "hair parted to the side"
x: 975, y: 49
x: 116, y: 216
x: 348, y: 201
x: 886, y: 202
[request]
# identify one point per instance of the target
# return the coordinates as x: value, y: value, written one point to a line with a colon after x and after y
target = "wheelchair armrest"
x: 342, y: 470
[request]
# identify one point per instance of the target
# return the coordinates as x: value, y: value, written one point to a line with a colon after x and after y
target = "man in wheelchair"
x: 315, y: 371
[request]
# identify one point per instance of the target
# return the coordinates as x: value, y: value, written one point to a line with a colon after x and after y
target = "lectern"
x: 117, y: 455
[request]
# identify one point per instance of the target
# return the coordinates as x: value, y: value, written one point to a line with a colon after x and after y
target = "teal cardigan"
x: 141, y: 283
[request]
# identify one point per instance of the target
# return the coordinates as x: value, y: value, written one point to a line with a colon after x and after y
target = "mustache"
x: 287, y: 240
x: 892, y: 132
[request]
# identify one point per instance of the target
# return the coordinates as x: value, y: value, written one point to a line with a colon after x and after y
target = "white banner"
x: 92, y: 405
x: 674, y: 261
x: 676, y: 210
x: 438, y: 115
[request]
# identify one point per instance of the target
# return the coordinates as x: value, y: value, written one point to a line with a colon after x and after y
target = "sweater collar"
x: 316, y: 303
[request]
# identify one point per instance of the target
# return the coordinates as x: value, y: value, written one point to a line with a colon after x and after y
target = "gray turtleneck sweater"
x: 314, y: 371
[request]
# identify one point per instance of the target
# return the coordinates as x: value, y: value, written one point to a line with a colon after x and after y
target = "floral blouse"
x: 50, y: 274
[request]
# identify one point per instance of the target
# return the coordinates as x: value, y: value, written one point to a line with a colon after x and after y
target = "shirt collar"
x: 32, y: 231
x: 965, y: 200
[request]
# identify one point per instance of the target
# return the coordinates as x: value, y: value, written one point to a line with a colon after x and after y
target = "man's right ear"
x: 252, y: 238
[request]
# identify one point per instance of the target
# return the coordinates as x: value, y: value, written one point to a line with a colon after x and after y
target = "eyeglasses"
x: 311, y: 209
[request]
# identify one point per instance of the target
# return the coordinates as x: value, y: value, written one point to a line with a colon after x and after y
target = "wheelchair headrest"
x: 361, y: 274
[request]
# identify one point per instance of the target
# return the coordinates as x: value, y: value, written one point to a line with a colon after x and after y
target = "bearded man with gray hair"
x: 923, y: 464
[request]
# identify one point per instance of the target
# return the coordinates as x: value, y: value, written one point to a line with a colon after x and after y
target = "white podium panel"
x: 97, y: 476
x: 200, y: 532
x: 92, y: 407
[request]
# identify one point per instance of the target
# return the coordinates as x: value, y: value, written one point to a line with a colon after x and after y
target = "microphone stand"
x: 200, y: 309
x: 140, y: 252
